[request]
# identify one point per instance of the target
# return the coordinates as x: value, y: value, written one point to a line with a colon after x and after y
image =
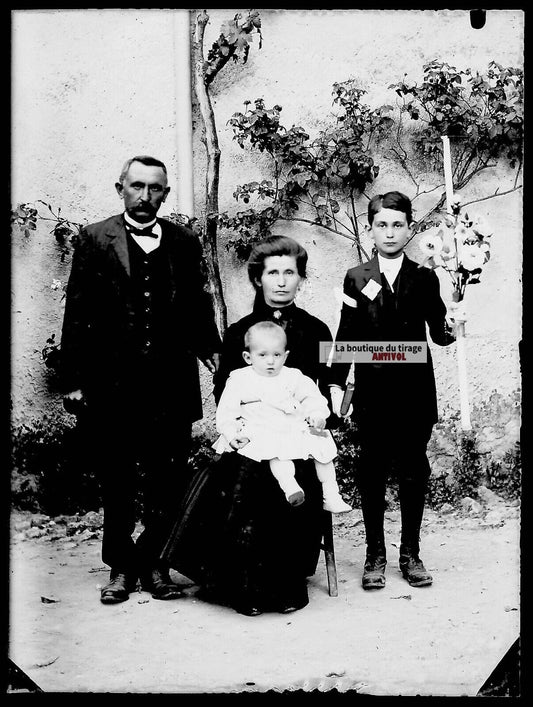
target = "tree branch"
x: 212, y: 173
x: 491, y: 196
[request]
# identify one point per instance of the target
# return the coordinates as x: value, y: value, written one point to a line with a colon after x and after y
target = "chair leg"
x: 329, y: 553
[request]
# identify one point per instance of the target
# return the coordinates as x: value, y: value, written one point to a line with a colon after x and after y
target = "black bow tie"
x: 141, y: 231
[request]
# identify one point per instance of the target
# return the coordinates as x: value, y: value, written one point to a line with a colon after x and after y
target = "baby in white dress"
x: 269, y: 411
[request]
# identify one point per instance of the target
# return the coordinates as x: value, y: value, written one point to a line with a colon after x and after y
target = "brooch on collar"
x: 277, y: 314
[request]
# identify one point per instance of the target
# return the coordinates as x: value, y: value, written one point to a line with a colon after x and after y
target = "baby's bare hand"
x: 317, y: 422
x: 239, y: 442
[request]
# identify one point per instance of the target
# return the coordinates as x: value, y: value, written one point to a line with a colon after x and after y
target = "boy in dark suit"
x: 137, y: 318
x: 390, y: 299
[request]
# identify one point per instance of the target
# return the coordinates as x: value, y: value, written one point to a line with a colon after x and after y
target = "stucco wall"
x: 303, y: 54
x: 92, y: 87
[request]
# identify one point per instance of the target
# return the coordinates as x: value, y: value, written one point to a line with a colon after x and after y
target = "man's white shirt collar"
x: 147, y: 243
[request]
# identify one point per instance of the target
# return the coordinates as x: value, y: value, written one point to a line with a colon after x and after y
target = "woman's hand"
x: 239, y: 442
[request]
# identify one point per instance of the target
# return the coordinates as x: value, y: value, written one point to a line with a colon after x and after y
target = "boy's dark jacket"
x: 389, y: 390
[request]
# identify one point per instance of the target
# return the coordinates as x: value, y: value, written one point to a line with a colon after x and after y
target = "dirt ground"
x: 440, y: 640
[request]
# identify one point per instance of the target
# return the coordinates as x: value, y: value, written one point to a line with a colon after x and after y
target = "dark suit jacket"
x: 99, y: 327
x: 389, y: 392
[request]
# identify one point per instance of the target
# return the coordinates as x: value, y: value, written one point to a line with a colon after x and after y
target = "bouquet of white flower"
x: 461, y: 247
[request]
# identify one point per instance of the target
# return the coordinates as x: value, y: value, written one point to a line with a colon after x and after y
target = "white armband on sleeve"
x: 349, y: 300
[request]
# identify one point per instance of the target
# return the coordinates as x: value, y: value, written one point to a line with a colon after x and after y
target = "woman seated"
x: 236, y: 535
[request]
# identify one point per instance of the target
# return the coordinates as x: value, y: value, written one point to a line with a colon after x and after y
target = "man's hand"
x: 212, y: 363
x: 74, y: 402
x: 239, y: 442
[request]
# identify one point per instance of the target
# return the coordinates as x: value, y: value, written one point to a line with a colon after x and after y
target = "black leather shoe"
x: 117, y: 589
x: 374, y: 572
x: 210, y: 594
x: 413, y: 570
x: 292, y: 606
x: 248, y: 610
x: 160, y: 585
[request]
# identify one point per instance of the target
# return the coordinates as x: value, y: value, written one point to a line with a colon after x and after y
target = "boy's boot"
x: 412, y: 497
x: 412, y: 567
x: 373, y: 507
x: 375, y: 563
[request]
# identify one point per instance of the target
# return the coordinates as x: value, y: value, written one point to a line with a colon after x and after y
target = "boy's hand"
x: 239, y: 442
x: 457, y: 313
x: 337, y: 395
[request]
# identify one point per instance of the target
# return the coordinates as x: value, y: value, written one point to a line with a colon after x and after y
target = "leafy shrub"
x: 346, y: 439
x: 47, y: 470
x: 49, y: 473
x: 467, y: 470
x: 462, y: 479
x: 505, y: 477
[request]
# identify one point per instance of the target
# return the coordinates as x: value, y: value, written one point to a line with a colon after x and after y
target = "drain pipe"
x: 183, y: 111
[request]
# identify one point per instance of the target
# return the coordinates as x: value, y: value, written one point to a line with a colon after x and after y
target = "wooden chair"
x: 329, y: 553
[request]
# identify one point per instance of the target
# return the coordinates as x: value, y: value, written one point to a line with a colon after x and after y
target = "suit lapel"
x: 403, y: 284
x: 405, y: 280
x: 118, y: 242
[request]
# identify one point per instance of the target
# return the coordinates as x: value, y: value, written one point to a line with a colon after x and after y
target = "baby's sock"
x: 333, y: 501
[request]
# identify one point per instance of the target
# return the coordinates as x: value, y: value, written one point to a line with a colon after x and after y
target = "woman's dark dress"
x: 236, y: 535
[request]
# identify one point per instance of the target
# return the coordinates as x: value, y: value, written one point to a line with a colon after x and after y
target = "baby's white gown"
x: 271, y: 412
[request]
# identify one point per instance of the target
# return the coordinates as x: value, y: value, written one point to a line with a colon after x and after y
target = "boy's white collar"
x: 390, y: 265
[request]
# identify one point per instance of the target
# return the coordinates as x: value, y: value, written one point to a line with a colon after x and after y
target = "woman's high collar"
x: 263, y: 309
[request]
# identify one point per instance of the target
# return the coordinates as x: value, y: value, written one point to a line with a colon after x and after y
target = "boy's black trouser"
x: 390, y: 446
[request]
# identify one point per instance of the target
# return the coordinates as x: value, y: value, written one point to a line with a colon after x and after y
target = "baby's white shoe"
x: 335, y: 504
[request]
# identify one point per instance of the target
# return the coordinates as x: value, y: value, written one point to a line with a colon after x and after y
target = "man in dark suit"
x: 137, y: 318
x: 390, y: 299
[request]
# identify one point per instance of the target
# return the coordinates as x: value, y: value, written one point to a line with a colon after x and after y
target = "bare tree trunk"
x: 210, y: 140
